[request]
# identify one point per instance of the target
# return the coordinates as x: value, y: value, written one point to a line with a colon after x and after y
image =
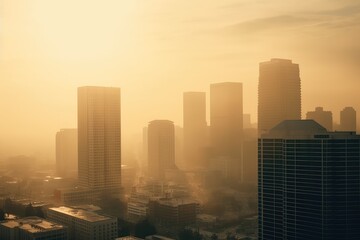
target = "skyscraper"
x: 324, y: 118
x: 279, y: 93
x: 161, y: 148
x: 348, y: 119
x: 226, y: 125
x: 99, y: 141
x: 194, y: 117
x: 66, y: 153
x: 309, y: 183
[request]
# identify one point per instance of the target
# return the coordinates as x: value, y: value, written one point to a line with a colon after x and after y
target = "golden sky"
x: 155, y: 50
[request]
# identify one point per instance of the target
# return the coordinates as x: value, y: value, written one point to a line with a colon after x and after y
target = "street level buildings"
x: 32, y: 228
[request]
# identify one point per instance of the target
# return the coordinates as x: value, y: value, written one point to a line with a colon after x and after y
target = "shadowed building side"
x: 309, y: 183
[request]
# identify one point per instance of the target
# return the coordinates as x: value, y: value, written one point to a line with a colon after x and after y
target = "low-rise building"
x: 84, y: 224
x: 76, y: 195
x: 32, y: 228
x: 173, y: 211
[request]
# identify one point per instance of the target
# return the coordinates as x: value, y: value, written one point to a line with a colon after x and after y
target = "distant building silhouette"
x: 324, y: 118
x: 66, y: 153
x: 226, y: 126
x: 194, y: 117
x: 161, y: 148
x: 99, y: 141
x: 279, y: 93
x: 308, y: 183
x: 348, y: 119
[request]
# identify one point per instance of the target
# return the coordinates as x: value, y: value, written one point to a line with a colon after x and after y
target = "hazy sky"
x: 157, y: 49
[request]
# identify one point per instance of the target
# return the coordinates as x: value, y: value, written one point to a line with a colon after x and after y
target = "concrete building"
x: 226, y: 125
x: 84, y: 224
x: 77, y: 195
x: 66, y: 153
x: 173, y: 211
x: 194, y: 122
x: 308, y: 183
x: 32, y: 228
x: 279, y: 93
x: 348, y: 119
x: 161, y: 148
x: 99, y: 141
x: 324, y: 118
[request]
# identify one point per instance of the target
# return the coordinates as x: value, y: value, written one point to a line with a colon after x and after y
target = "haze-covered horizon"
x: 155, y: 50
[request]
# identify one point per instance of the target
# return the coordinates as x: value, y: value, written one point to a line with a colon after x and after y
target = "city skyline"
x: 179, y: 120
x: 223, y: 42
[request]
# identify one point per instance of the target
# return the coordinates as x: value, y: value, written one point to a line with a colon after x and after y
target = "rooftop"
x: 32, y: 224
x: 81, y: 214
x: 304, y: 129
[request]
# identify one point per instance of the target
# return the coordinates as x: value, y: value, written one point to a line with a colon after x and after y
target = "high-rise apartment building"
x: 226, y: 125
x: 348, y: 119
x: 194, y: 117
x: 309, y: 182
x: 324, y: 118
x: 99, y: 141
x: 66, y: 153
x: 161, y: 148
x: 279, y: 93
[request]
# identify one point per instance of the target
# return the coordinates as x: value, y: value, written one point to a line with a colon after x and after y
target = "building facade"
x: 226, y: 125
x: 279, y: 93
x: 99, y: 141
x: 324, y: 118
x: 161, y: 148
x: 66, y: 153
x: 84, y: 224
x: 194, y: 120
x: 173, y: 211
x: 309, y: 183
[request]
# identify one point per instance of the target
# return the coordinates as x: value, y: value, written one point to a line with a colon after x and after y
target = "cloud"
x: 270, y: 23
